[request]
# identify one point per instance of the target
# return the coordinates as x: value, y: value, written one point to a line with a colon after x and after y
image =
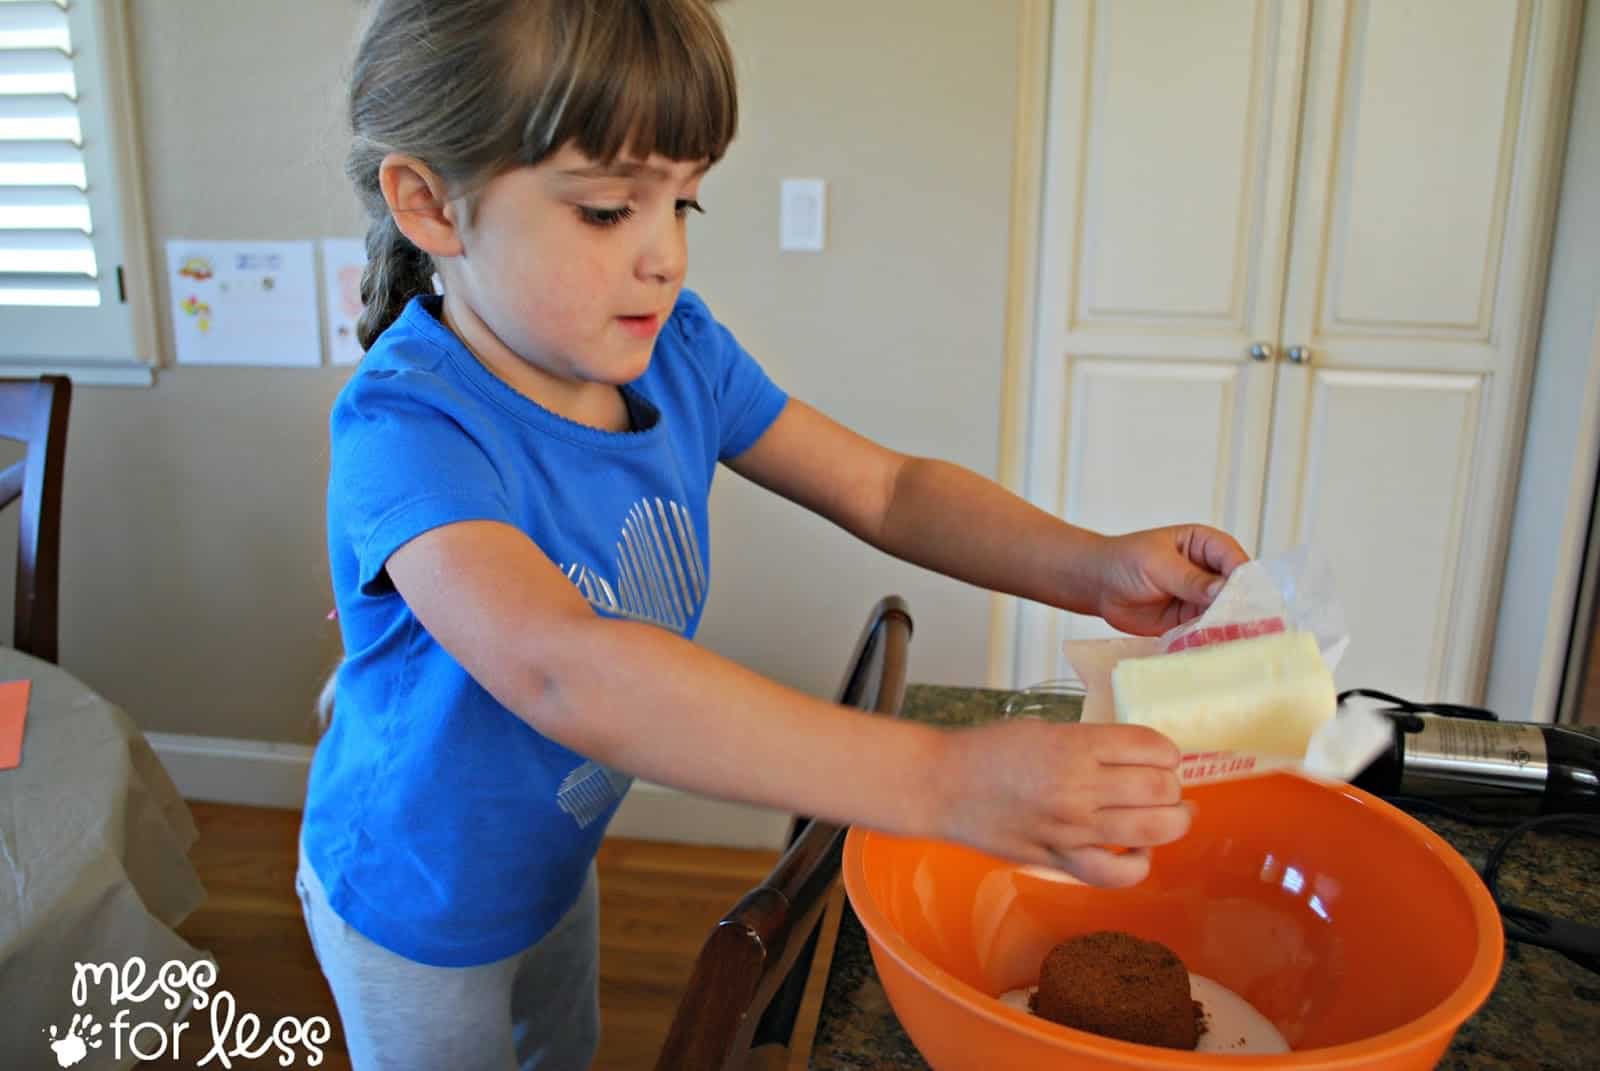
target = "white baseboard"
x: 656, y: 812
x: 219, y: 769
x: 259, y: 773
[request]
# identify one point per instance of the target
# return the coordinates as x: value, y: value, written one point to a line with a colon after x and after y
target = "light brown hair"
x: 473, y: 88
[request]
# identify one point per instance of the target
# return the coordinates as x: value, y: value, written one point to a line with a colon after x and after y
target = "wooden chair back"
x: 748, y: 981
x: 34, y: 412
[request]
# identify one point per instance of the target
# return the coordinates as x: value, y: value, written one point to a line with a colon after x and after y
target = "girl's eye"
x: 604, y: 217
x: 610, y: 217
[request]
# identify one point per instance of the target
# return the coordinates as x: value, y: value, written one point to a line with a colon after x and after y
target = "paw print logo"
x: 81, y: 1036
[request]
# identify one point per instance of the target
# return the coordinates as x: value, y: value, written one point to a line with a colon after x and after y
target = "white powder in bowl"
x: 1232, y: 1023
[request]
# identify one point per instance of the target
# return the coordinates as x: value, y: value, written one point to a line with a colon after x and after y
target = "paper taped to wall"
x: 243, y: 303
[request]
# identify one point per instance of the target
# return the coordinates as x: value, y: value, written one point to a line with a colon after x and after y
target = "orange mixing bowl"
x: 1363, y: 936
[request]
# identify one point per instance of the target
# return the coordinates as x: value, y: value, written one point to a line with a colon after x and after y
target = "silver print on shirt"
x: 589, y: 791
x: 658, y: 580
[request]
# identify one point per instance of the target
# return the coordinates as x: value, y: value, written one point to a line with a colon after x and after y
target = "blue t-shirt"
x: 444, y: 827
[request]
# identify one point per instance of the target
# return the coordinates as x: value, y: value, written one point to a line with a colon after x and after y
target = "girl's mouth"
x: 639, y: 326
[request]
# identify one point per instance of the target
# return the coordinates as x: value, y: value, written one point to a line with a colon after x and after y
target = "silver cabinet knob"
x: 1300, y: 354
x: 1261, y: 351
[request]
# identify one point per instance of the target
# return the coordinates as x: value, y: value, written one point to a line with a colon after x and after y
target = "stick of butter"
x: 1261, y: 696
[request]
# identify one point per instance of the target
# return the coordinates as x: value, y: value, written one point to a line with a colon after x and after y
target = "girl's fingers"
x: 1138, y: 786
x: 1215, y: 550
x: 1134, y: 745
x: 1142, y: 827
x: 1112, y: 870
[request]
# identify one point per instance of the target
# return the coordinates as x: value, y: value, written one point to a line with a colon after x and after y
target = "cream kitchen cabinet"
x: 1291, y: 265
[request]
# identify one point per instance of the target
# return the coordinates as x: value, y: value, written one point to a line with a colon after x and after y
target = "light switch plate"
x: 803, y: 215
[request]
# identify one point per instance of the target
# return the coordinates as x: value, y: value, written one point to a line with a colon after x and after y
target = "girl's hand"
x: 1051, y: 794
x: 1157, y: 579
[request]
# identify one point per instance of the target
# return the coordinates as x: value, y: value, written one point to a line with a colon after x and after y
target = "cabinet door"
x: 1416, y: 271
x: 1169, y: 151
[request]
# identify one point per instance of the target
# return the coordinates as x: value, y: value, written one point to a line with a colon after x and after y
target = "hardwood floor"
x: 657, y: 903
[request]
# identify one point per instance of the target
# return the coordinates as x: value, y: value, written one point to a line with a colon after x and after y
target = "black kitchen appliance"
x: 1465, y: 763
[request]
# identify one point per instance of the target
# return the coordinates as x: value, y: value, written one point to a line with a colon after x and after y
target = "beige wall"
x: 194, y: 576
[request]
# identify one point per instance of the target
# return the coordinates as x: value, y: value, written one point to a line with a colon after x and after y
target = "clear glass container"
x: 1060, y: 699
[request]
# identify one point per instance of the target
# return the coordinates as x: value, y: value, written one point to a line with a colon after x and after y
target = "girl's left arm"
x: 947, y: 518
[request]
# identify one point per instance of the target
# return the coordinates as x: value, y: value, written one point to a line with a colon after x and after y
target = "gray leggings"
x: 538, y: 1010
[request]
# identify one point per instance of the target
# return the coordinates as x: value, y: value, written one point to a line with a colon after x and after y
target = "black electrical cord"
x: 1448, y: 710
x: 1579, y: 943
x: 1417, y: 803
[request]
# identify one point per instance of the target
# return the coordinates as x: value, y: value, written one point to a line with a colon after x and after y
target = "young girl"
x: 517, y: 534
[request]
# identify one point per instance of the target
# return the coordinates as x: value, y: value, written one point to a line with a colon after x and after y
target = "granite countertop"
x: 1544, y: 1013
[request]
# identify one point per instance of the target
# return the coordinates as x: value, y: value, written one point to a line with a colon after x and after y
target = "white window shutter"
x: 75, y: 293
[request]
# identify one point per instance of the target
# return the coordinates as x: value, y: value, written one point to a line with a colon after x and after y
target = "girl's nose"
x: 665, y: 257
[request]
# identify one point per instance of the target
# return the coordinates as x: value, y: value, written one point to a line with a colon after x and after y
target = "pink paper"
x: 13, y: 715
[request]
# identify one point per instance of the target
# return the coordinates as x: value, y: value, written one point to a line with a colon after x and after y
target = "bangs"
x: 648, y: 76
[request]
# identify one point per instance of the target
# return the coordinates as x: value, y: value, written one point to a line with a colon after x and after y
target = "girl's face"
x: 570, y: 268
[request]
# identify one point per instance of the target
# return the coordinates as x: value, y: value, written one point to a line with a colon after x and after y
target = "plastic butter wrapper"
x: 1291, y: 593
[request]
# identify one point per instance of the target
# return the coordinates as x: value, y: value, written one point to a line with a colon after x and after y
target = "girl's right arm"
x: 645, y: 700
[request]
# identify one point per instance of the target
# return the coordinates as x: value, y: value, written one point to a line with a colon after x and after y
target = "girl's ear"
x: 421, y: 206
